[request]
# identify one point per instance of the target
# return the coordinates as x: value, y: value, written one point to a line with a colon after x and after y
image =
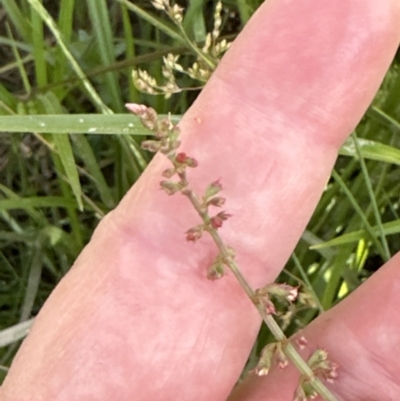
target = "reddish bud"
x: 217, y: 220
x: 181, y: 157
x: 194, y: 233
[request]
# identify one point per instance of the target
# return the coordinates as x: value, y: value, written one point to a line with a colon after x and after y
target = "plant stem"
x: 372, y: 197
x: 196, y: 50
x: 277, y: 332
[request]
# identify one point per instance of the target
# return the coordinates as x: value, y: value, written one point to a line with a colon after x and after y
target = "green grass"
x: 73, y: 60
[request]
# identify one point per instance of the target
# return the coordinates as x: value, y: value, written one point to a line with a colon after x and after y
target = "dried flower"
x: 171, y: 187
x: 212, y: 189
x: 217, y: 221
x: 176, y: 14
x: 194, y: 233
x: 169, y: 172
x: 217, y: 21
x: 272, y: 352
x: 190, y: 162
x: 201, y: 69
x: 322, y: 367
x: 165, y: 126
x: 216, y: 271
x: 138, y: 109
x: 279, y: 290
x: 265, y: 362
x: 151, y: 146
x: 147, y: 115
x: 269, y: 306
x: 305, y: 392
x: 217, y: 201
x: 182, y: 158
x: 160, y: 4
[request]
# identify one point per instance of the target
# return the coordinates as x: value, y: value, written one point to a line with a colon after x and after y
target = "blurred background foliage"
x: 54, y: 188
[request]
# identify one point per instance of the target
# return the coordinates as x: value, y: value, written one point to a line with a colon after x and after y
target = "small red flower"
x: 181, y: 157
x: 194, y: 233
x: 217, y: 220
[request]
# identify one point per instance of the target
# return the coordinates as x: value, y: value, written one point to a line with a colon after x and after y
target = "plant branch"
x: 277, y: 332
x: 318, y: 365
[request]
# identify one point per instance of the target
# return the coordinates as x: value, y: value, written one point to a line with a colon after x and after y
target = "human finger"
x: 361, y: 335
x: 136, y: 317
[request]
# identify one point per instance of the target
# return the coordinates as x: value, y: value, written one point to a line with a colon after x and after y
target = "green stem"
x: 372, y: 197
x: 196, y: 50
x: 48, y: 20
x: 277, y: 332
x: 360, y: 212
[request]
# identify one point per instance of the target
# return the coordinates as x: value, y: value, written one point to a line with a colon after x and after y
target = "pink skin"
x: 136, y: 319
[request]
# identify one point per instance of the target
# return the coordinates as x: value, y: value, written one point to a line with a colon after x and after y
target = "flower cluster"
x: 271, y: 353
x: 322, y: 368
x: 166, y: 141
x: 175, y: 12
x: 283, y: 292
x: 201, y: 69
x: 166, y: 133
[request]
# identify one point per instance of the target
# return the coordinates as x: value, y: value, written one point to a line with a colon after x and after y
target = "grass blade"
x: 390, y: 228
x: 48, y: 20
x: 124, y: 124
x: 156, y: 22
x: 15, y: 333
x: 360, y: 213
x: 85, y: 151
x: 386, y: 254
x: 371, y: 150
x: 104, y: 38
x: 35, y: 202
x: 63, y: 146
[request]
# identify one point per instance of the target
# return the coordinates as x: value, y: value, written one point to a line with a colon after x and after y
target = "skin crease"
x: 136, y: 319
